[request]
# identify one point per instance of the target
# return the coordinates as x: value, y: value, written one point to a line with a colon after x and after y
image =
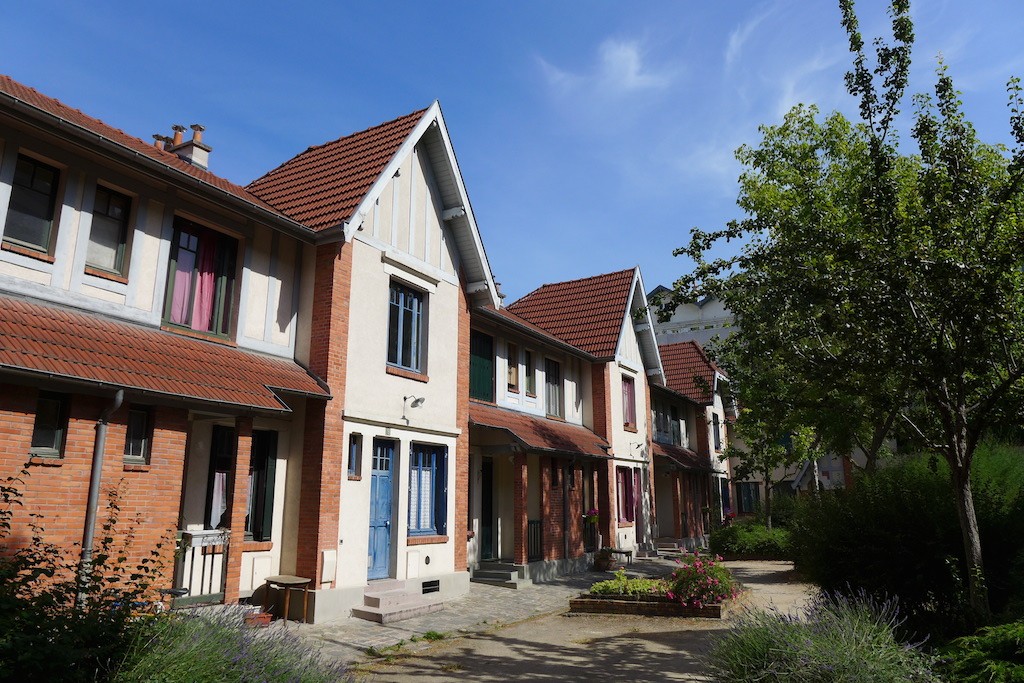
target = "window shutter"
x: 481, y: 366
x: 268, y: 497
x: 441, y: 487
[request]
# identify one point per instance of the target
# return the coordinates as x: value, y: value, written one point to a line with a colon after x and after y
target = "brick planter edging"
x: 645, y: 605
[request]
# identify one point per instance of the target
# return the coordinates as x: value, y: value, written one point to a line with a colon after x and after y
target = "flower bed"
x: 699, y: 587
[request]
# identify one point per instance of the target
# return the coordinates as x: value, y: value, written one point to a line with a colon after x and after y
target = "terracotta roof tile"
x: 49, y: 105
x: 683, y: 457
x: 585, y: 313
x: 322, y: 186
x: 688, y: 370
x: 539, y: 433
x: 505, y: 314
x: 44, y: 339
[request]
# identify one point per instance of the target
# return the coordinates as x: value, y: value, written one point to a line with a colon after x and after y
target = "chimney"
x: 194, y: 151
x: 158, y: 141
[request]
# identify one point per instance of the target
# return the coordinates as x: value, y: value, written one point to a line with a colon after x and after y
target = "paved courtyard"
x: 499, y: 634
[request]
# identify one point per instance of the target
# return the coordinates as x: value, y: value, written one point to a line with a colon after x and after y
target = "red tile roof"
x: 67, y: 344
x: 538, y: 433
x: 49, y: 105
x: 322, y: 186
x: 586, y: 313
x: 683, y: 457
x: 688, y: 370
x: 503, y: 314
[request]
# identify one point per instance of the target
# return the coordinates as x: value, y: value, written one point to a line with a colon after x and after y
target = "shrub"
x: 992, y: 655
x: 896, y: 533
x: 751, y: 539
x: 835, y: 639
x: 621, y: 585
x: 701, y: 581
x: 59, y: 623
x: 215, y: 645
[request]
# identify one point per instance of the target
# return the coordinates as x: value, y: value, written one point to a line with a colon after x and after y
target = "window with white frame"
x: 554, y: 399
x: 33, y: 205
x: 529, y: 373
x: 201, y: 279
x: 355, y: 455
x: 108, y: 236
x: 512, y: 358
x: 428, y: 489
x: 717, y: 429
x: 628, y: 402
x: 50, y: 425
x: 406, y: 313
x: 625, y: 494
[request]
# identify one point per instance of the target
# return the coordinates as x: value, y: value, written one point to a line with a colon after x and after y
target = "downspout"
x: 92, y: 505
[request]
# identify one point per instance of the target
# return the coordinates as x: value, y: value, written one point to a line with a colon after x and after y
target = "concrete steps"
x: 390, y: 600
x: 504, y: 574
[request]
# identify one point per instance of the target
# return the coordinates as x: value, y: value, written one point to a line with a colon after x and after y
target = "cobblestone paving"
x: 483, y: 608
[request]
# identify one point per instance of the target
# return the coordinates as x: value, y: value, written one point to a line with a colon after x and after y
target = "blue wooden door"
x: 379, y: 555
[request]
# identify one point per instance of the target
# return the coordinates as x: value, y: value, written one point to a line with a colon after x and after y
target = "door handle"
x: 387, y: 524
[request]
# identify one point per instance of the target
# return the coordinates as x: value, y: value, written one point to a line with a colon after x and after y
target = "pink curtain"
x: 182, y: 287
x: 202, y: 307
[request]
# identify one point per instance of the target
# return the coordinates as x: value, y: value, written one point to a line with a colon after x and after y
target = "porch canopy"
x: 61, y: 344
x: 683, y: 458
x: 538, y: 434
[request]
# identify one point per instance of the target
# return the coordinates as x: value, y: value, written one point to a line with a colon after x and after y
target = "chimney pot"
x: 179, y: 131
x: 158, y: 141
x: 197, y: 132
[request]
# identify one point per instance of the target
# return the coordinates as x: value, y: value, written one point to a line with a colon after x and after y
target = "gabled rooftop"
x: 689, y: 371
x: 39, y: 105
x: 585, y: 313
x: 323, y: 186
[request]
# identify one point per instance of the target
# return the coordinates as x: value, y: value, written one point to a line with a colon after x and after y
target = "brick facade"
x: 519, y: 523
x: 57, y: 488
x: 462, y: 441
x: 323, y: 453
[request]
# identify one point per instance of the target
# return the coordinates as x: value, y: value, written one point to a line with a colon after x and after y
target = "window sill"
x: 513, y: 390
x: 355, y: 477
x: 136, y: 467
x: 556, y: 418
x: 426, y: 540
x: 113, y: 277
x: 46, y: 460
x: 257, y: 546
x: 623, y: 524
x: 630, y: 428
x: 25, y: 251
x: 407, y: 374
x: 184, y: 332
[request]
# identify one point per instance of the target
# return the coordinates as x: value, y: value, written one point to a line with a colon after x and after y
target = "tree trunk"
x: 768, y: 504
x: 976, y: 587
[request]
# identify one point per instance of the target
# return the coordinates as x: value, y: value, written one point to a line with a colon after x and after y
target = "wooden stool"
x: 286, y: 582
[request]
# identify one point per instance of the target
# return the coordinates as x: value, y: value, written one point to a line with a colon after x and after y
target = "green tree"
x: 877, y: 285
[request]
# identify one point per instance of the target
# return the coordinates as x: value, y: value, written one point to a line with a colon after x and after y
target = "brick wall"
x: 324, y: 449
x: 462, y: 441
x: 238, y: 500
x: 575, y: 530
x: 607, y: 514
x: 149, y: 496
x: 551, y: 498
x: 519, y: 523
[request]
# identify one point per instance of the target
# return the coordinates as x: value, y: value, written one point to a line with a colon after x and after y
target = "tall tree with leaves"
x: 878, y: 284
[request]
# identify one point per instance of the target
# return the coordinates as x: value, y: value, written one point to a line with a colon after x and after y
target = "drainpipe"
x: 92, y: 506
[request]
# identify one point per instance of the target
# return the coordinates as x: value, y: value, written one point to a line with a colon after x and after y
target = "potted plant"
x: 590, y: 516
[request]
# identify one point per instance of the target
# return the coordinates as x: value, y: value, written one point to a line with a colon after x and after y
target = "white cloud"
x: 619, y: 71
x: 740, y: 35
x: 803, y: 83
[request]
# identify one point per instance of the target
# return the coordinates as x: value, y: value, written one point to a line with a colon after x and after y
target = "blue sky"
x: 591, y: 136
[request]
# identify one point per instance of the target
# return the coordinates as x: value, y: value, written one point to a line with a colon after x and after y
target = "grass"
x: 217, y: 646
x: 835, y: 639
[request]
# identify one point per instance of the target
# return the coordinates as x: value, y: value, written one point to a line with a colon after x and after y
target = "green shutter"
x: 268, y: 500
x: 481, y: 366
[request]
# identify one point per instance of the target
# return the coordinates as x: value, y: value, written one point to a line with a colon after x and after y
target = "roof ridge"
x: 579, y: 279
x: 337, y: 140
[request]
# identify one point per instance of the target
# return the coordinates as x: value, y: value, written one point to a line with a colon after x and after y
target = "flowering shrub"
x: 591, y: 516
x: 701, y: 581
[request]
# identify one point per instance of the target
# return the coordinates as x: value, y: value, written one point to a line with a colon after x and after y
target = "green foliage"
x: 750, y: 539
x: 835, y: 639
x: 700, y: 581
x: 992, y: 655
x: 896, y: 533
x: 215, y: 645
x: 623, y: 585
x: 433, y: 636
x: 59, y: 621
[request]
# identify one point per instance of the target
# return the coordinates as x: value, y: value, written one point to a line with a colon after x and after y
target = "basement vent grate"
x: 431, y: 587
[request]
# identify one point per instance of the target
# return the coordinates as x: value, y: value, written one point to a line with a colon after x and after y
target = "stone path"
x: 499, y: 634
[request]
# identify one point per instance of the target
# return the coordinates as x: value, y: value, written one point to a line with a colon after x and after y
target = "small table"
x: 286, y: 582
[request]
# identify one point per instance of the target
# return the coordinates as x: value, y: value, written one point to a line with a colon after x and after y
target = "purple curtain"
x: 182, y: 286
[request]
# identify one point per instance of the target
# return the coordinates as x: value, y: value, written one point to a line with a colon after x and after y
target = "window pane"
x: 136, y: 442
x: 405, y: 328
x: 31, y: 209
x: 46, y: 432
x: 202, y: 283
x: 109, y: 230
